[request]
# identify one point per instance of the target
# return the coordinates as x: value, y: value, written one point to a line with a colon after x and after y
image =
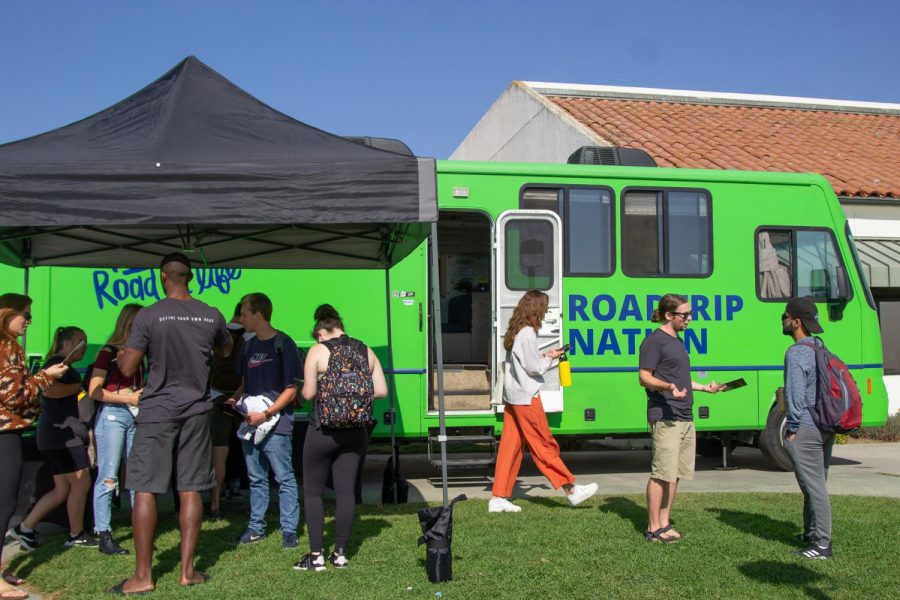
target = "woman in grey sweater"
x: 524, y: 420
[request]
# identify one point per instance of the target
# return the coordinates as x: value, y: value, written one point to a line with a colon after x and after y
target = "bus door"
x: 527, y: 255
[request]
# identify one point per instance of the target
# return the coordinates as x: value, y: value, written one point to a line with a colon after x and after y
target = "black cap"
x: 805, y: 310
x: 175, y: 257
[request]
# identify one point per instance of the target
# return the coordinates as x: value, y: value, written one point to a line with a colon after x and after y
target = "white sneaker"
x: 496, y: 505
x: 580, y: 493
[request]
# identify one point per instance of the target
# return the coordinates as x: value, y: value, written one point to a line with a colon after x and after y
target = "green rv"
x: 604, y: 242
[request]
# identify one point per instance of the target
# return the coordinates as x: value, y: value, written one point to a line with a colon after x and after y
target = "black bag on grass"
x: 437, y: 535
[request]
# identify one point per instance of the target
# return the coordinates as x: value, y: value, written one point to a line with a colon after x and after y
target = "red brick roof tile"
x: 858, y: 153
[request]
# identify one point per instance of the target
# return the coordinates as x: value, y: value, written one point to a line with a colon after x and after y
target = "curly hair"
x: 529, y: 312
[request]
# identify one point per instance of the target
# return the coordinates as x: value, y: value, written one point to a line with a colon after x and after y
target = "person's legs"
x: 808, y: 523
x: 533, y: 426
x: 220, y: 460
x: 110, y: 435
x: 666, y: 439
x: 317, y: 450
x: 143, y: 524
x: 189, y: 519
x: 258, y: 470
x: 344, y: 469
x: 79, y: 486
x: 509, y: 454
x: 10, y: 474
x: 809, y: 452
x: 48, y: 502
x: 279, y: 454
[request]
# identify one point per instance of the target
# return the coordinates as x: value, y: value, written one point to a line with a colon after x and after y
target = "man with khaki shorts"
x: 665, y: 372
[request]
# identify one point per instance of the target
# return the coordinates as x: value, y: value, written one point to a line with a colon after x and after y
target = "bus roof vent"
x: 611, y: 155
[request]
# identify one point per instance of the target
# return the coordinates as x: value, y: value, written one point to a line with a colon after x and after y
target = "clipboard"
x: 733, y: 385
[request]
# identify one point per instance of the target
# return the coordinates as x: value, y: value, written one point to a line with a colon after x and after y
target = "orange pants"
x: 527, y: 425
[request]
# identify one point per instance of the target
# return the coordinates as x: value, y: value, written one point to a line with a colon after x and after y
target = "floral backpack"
x: 345, y: 391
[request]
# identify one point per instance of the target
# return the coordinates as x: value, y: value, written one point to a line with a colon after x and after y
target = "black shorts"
x: 161, y: 449
x: 221, y: 427
x: 67, y: 460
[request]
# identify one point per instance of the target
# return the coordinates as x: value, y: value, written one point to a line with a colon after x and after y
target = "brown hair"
x: 123, y: 325
x: 667, y: 304
x: 529, y: 312
x: 7, y: 314
x: 259, y: 303
x: 63, y: 334
x: 327, y: 318
x: 19, y: 302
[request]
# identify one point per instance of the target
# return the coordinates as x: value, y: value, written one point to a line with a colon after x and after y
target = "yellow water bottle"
x: 565, y: 371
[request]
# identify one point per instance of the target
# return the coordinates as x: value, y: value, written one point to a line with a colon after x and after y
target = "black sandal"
x: 119, y: 590
x: 656, y: 536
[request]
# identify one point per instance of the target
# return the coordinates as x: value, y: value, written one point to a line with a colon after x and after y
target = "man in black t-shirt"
x: 665, y: 372
x: 178, y: 334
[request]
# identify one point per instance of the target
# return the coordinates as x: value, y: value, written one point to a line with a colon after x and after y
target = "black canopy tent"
x: 193, y: 163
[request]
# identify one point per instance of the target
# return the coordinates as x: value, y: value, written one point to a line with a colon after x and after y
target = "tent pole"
x: 439, y: 356
x: 25, y: 335
x: 392, y: 382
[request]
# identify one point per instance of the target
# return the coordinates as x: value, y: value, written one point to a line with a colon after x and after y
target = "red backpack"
x: 838, y: 407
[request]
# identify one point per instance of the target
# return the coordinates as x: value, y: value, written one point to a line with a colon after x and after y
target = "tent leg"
x: 439, y: 357
x: 392, y: 384
x: 26, y: 284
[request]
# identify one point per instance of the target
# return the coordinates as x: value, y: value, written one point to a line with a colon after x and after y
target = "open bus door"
x: 527, y: 255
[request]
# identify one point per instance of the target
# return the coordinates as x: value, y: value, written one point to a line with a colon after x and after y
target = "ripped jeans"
x: 113, y: 431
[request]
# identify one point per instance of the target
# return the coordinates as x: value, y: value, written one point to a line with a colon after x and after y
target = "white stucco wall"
x: 519, y: 127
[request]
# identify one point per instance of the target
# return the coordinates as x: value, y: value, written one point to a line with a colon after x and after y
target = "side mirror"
x: 843, y: 284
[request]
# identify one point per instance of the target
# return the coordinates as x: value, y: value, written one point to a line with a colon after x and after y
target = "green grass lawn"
x: 736, y: 546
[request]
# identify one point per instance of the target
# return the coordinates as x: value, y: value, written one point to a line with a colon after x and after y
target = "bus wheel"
x: 770, y: 441
x: 712, y: 447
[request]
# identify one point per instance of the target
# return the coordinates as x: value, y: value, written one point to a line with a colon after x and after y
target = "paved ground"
x: 857, y: 469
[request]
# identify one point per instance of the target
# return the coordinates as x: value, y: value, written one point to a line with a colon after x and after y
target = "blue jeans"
x: 113, y: 430
x: 275, y: 451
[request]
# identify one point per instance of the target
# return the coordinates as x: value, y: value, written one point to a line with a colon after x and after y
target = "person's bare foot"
x: 131, y: 586
x: 12, y: 579
x: 8, y: 592
x: 195, y: 578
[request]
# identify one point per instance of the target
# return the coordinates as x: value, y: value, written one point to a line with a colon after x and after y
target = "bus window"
x: 775, y: 258
x: 589, y: 232
x: 587, y: 217
x: 529, y: 255
x: 799, y: 262
x: 666, y: 232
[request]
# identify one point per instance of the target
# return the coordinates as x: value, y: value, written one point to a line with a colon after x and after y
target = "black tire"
x: 770, y: 441
x: 712, y: 447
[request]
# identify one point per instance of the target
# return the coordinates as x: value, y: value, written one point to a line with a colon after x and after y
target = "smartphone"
x: 566, y: 347
x: 732, y: 385
x: 73, y: 352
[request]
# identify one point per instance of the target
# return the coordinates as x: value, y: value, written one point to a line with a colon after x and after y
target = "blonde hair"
x: 123, y: 325
x: 529, y: 312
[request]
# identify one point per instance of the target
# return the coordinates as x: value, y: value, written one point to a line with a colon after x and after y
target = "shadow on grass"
x: 757, y: 524
x: 628, y: 510
x: 787, y: 575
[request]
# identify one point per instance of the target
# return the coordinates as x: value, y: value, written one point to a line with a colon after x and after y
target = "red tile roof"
x: 858, y: 152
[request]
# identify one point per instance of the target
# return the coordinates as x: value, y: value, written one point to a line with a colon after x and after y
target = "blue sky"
x: 426, y: 71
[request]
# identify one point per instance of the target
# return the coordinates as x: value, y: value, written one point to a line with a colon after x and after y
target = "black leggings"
x: 10, y: 475
x: 341, y: 451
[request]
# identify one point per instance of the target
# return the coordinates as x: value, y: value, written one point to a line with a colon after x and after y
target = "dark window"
x: 889, y: 316
x: 588, y: 225
x: 666, y: 232
x: 799, y: 262
x: 859, y: 268
x: 529, y: 255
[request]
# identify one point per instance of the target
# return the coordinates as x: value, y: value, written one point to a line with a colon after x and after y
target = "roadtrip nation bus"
x: 604, y: 242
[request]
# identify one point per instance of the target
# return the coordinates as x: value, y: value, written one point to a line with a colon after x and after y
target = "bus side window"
x: 818, y: 273
x: 774, y: 252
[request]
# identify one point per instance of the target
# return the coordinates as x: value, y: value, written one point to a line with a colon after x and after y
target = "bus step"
x: 464, y: 463
x: 465, y: 439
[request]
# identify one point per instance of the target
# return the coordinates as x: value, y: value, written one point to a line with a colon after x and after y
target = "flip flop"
x: 119, y: 589
x: 12, y: 579
x: 203, y: 579
x: 14, y: 595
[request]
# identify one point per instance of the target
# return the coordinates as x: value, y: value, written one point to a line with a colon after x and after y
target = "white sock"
x: 25, y: 528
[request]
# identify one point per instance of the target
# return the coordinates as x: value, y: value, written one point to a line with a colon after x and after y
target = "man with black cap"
x: 178, y: 334
x: 808, y: 446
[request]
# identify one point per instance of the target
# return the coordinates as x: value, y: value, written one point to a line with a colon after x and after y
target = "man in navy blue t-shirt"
x: 269, y: 363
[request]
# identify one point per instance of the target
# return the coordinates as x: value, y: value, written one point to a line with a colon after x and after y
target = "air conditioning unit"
x: 611, y: 155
